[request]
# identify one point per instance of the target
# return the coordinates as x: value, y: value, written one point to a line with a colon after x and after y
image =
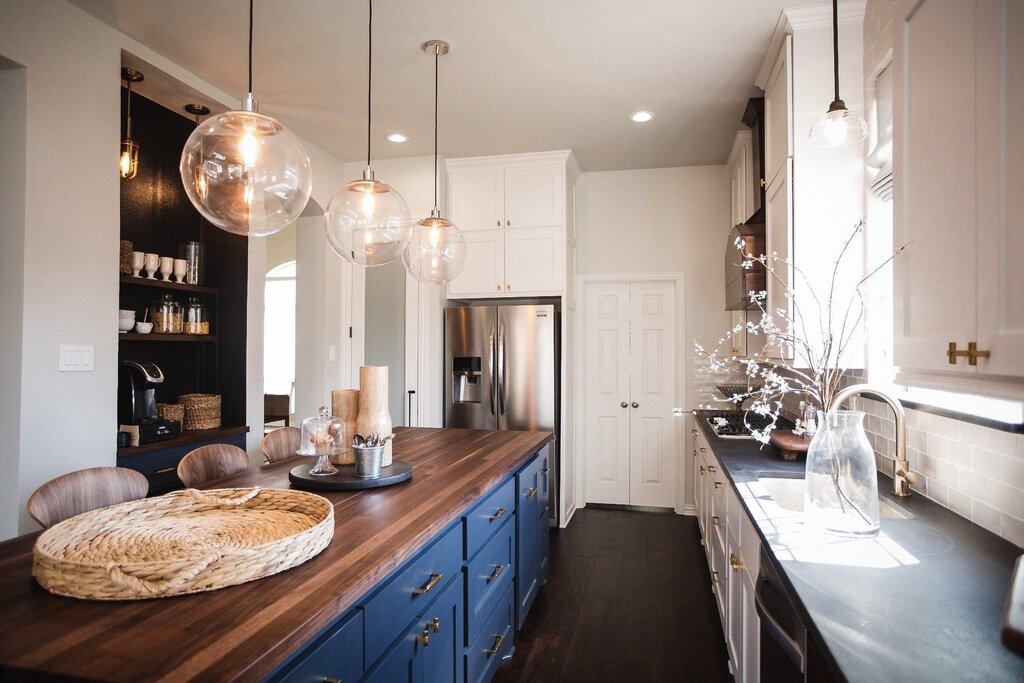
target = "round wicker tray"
x: 182, y: 542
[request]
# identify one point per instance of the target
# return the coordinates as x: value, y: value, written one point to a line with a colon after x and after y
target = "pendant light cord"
x: 369, y: 82
x: 835, y: 45
x: 128, y: 123
x: 437, y: 57
x: 250, y: 44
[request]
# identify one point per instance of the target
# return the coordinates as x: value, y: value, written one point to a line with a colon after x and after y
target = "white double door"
x: 629, y: 380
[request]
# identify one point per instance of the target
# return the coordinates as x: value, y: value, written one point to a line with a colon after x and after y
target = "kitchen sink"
x: 788, y: 494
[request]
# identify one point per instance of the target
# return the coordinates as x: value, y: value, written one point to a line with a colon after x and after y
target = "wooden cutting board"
x: 790, y: 445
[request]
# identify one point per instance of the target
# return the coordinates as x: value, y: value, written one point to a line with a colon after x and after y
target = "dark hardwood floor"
x: 627, y: 599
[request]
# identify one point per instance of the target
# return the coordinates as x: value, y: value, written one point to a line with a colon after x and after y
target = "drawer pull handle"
x: 715, y: 578
x: 434, y: 578
x: 498, y: 514
x: 703, y: 470
x: 718, y: 486
x: 716, y: 521
x: 545, y: 471
x: 532, y: 492
x: 712, y: 469
x: 703, y: 450
x: 499, y: 569
x: 328, y: 679
x: 425, y: 638
x: 436, y: 625
x: 735, y: 561
x: 497, y: 645
x: 694, y: 432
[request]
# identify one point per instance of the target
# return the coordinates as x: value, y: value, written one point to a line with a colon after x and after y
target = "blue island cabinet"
x: 446, y: 615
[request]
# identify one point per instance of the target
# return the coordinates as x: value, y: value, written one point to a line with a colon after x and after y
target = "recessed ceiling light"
x: 397, y: 137
x: 641, y: 116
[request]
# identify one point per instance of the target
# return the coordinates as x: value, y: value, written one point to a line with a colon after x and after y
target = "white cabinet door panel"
x: 534, y: 196
x: 778, y: 238
x: 778, y: 99
x: 934, y: 149
x: 534, y: 260
x: 606, y: 388
x: 484, y: 272
x: 476, y: 199
x: 654, y: 458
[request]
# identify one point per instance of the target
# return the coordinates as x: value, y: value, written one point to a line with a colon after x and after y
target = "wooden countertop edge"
x: 241, y: 651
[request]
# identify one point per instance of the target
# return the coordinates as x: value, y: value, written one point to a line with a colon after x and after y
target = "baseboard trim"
x: 690, y: 510
x: 631, y: 508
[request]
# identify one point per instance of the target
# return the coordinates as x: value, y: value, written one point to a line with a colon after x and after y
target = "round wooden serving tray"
x: 346, y: 479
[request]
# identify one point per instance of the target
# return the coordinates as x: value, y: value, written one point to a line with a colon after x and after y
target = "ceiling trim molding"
x: 562, y: 155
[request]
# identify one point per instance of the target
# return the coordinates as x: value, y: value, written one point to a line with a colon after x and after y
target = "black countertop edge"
x: 743, y: 460
x: 1012, y: 427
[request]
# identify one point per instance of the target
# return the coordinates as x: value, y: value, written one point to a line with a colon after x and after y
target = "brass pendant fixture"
x: 128, y: 164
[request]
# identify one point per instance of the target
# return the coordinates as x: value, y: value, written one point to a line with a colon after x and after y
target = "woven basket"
x: 126, y: 257
x: 202, y: 411
x: 172, y: 412
x: 183, y: 542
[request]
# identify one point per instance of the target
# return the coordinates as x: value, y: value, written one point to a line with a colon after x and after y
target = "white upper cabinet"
x: 514, y: 211
x: 958, y: 139
x: 778, y: 103
x: 740, y: 171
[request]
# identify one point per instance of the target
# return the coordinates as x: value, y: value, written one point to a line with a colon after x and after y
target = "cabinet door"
x: 935, y: 183
x: 442, y: 658
x: 778, y: 98
x: 484, y: 273
x: 535, y: 196
x: 779, y: 240
x: 1000, y: 95
x: 527, y: 556
x: 606, y: 392
x: 403, y: 663
x: 735, y: 609
x: 653, y: 442
x: 476, y: 199
x: 535, y: 260
x: 751, y: 633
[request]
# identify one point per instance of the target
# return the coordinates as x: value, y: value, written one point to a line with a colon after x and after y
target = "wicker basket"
x: 183, y: 542
x: 202, y: 411
x: 126, y: 257
x: 172, y: 412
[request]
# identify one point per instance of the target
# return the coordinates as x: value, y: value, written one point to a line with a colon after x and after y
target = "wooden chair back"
x: 280, y: 444
x: 211, y: 462
x: 77, y: 492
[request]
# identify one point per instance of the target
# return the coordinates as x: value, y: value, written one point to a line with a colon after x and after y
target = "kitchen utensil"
x: 152, y: 263
x: 138, y: 261
x: 180, y: 268
x: 166, y: 267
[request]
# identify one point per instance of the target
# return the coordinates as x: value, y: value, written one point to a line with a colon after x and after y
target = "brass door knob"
x: 435, y: 624
x: 624, y: 404
x: 508, y: 286
x: 499, y: 287
x: 635, y: 404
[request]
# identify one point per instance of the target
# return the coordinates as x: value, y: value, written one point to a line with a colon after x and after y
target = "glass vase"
x: 841, y: 486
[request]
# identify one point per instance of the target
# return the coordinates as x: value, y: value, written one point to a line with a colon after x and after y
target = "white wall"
x: 661, y: 221
x: 70, y: 247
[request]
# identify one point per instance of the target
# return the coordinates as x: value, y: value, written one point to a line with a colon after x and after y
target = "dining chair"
x: 280, y: 444
x: 84, y: 490
x: 211, y: 462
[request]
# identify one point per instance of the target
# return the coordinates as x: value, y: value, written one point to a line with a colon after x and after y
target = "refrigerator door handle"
x: 501, y: 369
x: 490, y: 370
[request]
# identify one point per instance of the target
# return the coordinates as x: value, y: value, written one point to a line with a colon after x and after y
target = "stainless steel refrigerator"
x: 501, y: 371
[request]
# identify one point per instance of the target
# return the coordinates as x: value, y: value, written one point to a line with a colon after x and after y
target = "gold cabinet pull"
x: 498, y: 514
x: 435, y: 624
x: 508, y: 223
x: 694, y: 432
x: 532, y: 492
x: 498, y: 222
x: 703, y: 470
x: 718, y: 486
x: 545, y: 471
x: 952, y: 354
x: 499, y: 287
x: 712, y: 469
x: 328, y: 679
x: 499, y: 569
x: 424, y: 638
x: 434, y: 578
x: 703, y: 450
x: 973, y: 354
x: 764, y: 183
x: 715, y: 579
x: 497, y: 645
x: 716, y: 521
x: 166, y: 470
x: 508, y: 286
x: 735, y: 561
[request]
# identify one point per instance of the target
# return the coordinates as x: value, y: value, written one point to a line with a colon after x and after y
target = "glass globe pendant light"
x: 367, y: 220
x: 839, y: 126
x: 435, y: 251
x: 128, y: 163
x: 244, y: 171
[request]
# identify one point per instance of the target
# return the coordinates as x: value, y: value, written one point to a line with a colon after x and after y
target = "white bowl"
x: 124, y: 325
x: 143, y: 328
x: 125, y: 314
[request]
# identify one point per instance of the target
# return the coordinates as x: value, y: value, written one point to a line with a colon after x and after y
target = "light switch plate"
x: 76, y: 358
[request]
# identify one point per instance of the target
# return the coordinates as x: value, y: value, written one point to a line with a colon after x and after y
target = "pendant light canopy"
x: 435, y: 251
x: 244, y: 171
x: 128, y: 164
x: 367, y: 221
x: 839, y: 126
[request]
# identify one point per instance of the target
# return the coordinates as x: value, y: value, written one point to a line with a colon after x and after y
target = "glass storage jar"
x: 197, y: 316
x: 319, y: 437
x: 166, y: 315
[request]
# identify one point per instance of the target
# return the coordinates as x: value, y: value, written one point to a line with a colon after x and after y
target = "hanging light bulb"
x: 244, y: 171
x: 128, y: 163
x: 435, y: 251
x: 367, y: 220
x: 839, y: 126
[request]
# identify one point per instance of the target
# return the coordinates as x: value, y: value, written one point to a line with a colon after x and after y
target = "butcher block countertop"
x: 244, y: 632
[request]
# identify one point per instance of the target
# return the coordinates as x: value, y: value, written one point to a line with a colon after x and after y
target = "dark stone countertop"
x: 921, y: 602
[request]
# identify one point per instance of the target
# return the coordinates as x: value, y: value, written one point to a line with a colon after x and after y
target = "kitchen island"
x: 347, y: 607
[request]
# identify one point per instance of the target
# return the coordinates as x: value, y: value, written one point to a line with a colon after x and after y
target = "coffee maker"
x: 136, y: 401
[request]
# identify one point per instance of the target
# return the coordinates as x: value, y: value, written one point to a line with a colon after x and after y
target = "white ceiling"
x: 522, y: 76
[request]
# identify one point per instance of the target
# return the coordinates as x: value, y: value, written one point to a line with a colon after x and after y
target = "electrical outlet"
x: 76, y: 358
